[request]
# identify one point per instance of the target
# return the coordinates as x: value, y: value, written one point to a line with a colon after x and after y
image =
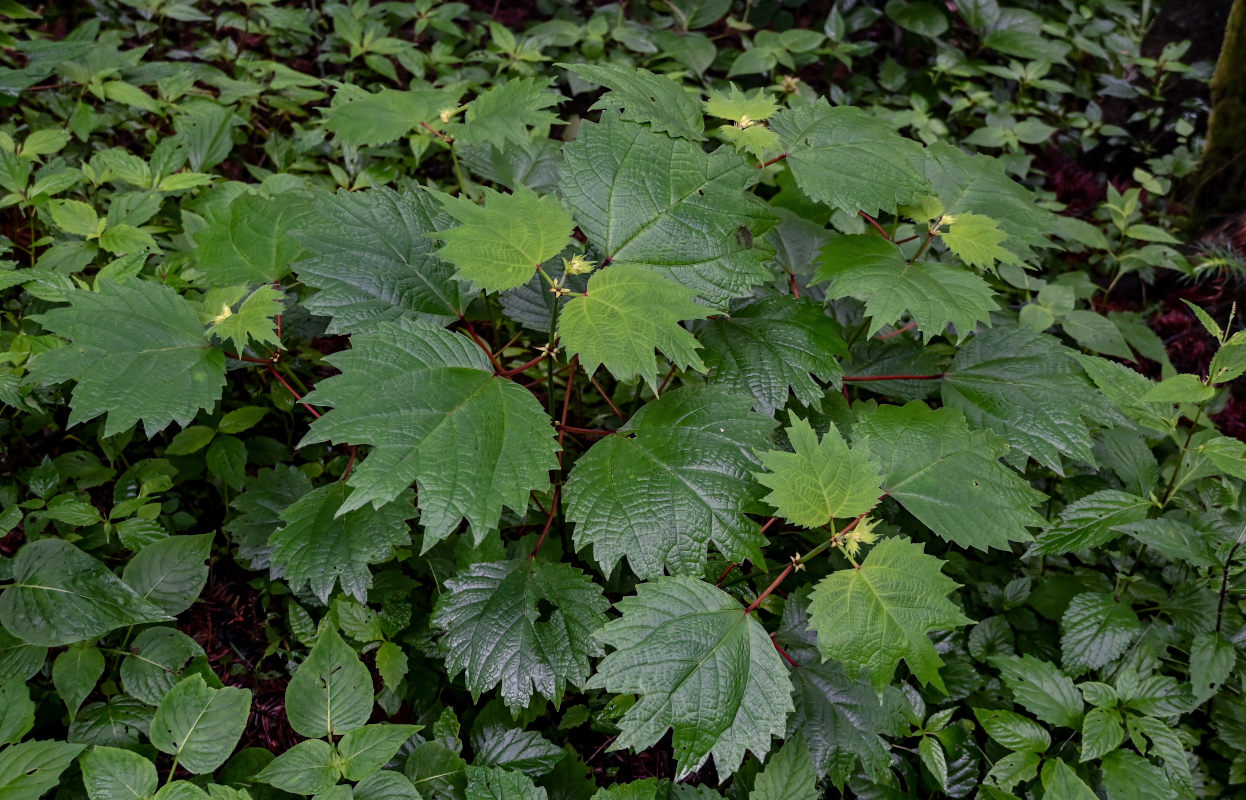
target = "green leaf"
x: 497, y: 633
x: 690, y: 455
x: 507, y: 112
x: 976, y: 239
x: 158, y: 657
x: 739, y: 106
x: 331, y: 691
x: 74, y: 217
x: 306, y: 768
x: 819, y: 481
x: 1129, y: 776
x: 29, y: 769
x: 647, y: 200
x: 252, y: 243
x: 497, y: 743
x: 771, y: 346
x: 1060, y: 782
x: 495, y: 783
x: 788, y: 774
x: 1014, y: 768
x: 259, y: 508
x: 702, y: 667
x: 360, y: 119
x: 61, y: 595
x: 373, y: 258
x: 1095, y: 630
x: 849, y: 160
x: 17, y: 711
x: 137, y: 351
x: 170, y: 573
x: 641, y: 96
x: 1013, y: 730
x: 75, y: 673
x: 436, y: 771
x: 110, y: 773
x: 949, y: 476
x: 934, y: 759
x: 874, y: 615
x: 499, y: 245
x: 1183, y: 388
x: 318, y: 549
x: 1026, y: 387
x: 1212, y: 658
x: 1042, y: 689
x: 190, y: 439
x: 432, y: 409
x: 386, y: 785
x: 252, y: 321
x: 18, y: 660
x: 1166, y: 744
x: 200, y: 725
x: 627, y: 313
x: 1092, y: 521
x: 874, y: 271
x: 1096, y: 332
x: 365, y: 750
x: 1102, y: 733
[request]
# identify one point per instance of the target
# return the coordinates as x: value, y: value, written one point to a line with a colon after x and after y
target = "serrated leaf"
x: 702, y: 667
x: 1092, y: 521
x: 331, y: 691
x: 109, y: 773
x: 506, y: 112
x: 365, y: 750
x: 626, y: 314
x: 496, y: 742
x: 820, y: 481
x: 252, y: 243
x: 949, y: 476
x: 252, y: 321
x: 496, y: 631
x: 157, y: 659
x: 1212, y: 658
x: 771, y: 346
x: 499, y: 245
x: 495, y: 783
x: 200, y: 725
x: 739, y: 106
x: 874, y: 271
x: 306, y: 768
x: 1026, y: 387
x: 1102, y: 733
x: 647, y: 200
x: 61, y: 595
x: 1013, y: 730
x: 259, y: 509
x: 874, y: 615
x: 138, y: 353
x: 689, y: 454
x: 788, y: 775
x: 976, y: 239
x: 74, y: 674
x: 170, y: 573
x: 641, y: 96
x: 1042, y: 689
x: 1095, y: 630
x: 428, y: 403
x: 373, y: 258
x: 359, y: 118
x: 849, y: 160
x: 320, y: 549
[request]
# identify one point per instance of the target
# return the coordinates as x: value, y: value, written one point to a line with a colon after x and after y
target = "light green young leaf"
x: 741, y: 107
x: 252, y: 243
x: 874, y: 615
x: 499, y: 245
x: 138, y: 353
x: 1183, y: 388
x: 75, y: 217
x: 306, y: 768
x: 170, y: 573
x: 200, y: 725
x: 254, y: 319
x: 507, y: 112
x: 365, y: 750
x: 61, y: 595
x: 428, y: 403
x: 976, y: 239
x: 819, y: 481
x: 641, y: 96
x: 1096, y: 332
x: 494, y: 631
x: 788, y: 775
x: 690, y: 453
x: 331, y: 691
x: 109, y: 773
x: 627, y: 313
x: 702, y: 667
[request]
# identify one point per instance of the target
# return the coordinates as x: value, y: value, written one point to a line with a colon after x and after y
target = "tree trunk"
x: 1220, y: 182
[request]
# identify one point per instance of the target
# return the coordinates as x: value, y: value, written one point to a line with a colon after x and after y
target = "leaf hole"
x: 545, y: 610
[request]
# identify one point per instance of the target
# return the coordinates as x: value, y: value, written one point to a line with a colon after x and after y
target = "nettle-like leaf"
x: 254, y: 318
x: 949, y: 476
x: 700, y: 666
x: 880, y: 612
x: 252, y: 243
x: 690, y: 456
x: 641, y: 96
x: 874, y: 271
x: 820, y: 481
x: 360, y: 118
x: 849, y: 160
x: 319, y: 548
x: 526, y: 625
x: 976, y: 240
x: 428, y: 403
x: 772, y: 346
x: 138, y: 353
x: 499, y: 245
x: 507, y: 112
x: 626, y: 314
x: 646, y: 199
x: 373, y: 258
x: 1091, y: 521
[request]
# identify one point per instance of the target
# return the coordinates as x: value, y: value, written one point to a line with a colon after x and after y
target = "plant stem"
x: 874, y: 222
x: 298, y: 397
x: 1224, y: 578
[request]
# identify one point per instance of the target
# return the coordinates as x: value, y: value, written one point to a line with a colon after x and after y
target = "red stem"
x: 774, y: 585
x: 606, y: 397
x: 471, y: 329
x: 247, y: 359
x: 510, y: 373
x: 549, y: 520
x: 666, y: 380
x: 864, y: 378
x: 290, y: 389
x: 437, y: 133
x: 897, y: 331
x: 791, y: 276
x: 874, y: 222
x: 583, y: 431
x: 783, y: 653
x: 774, y: 160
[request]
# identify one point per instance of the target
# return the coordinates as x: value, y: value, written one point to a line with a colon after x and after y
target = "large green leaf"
x: 1042, y: 689
x: 158, y: 656
x: 17, y: 711
x: 200, y: 725
x: 110, y: 773
x: 496, y: 783
x: 170, y: 573
x: 29, y: 769
x: 788, y: 774
x: 331, y: 691
x: 675, y: 478
x: 435, y: 414
x: 849, y: 160
x: 373, y: 259
x: 648, y: 200
x: 949, y: 476
x: 252, y: 243
x: 306, y: 768
x: 700, y: 666
x: 507, y: 112
x: 61, y: 595
x: 137, y: 351
x: 626, y: 314
x: 1095, y: 630
x: 641, y: 96
x: 874, y: 271
x: 771, y: 346
x: 820, y: 481
x: 880, y: 612
x: 361, y: 118
x: 365, y: 750
x: 497, y: 633
x: 1091, y: 521
x: 318, y: 549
